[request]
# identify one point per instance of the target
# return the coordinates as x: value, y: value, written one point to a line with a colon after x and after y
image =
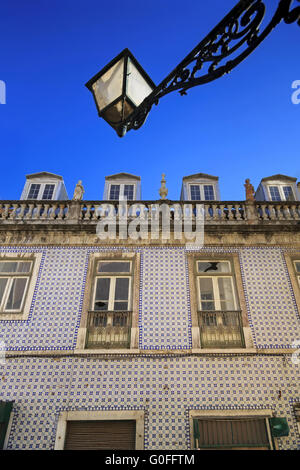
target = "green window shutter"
x: 196, y: 433
x: 5, y: 410
x: 279, y: 427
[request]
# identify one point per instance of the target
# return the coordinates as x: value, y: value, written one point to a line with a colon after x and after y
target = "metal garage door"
x: 98, y: 435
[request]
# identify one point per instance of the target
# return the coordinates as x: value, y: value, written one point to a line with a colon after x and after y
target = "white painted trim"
x: 113, y: 415
x: 41, y: 190
x: 36, y: 258
x: 280, y: 187
x: 201, y: 185
x: 122, y: 187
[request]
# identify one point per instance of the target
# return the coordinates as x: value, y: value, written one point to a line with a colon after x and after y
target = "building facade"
x: 150, y: 342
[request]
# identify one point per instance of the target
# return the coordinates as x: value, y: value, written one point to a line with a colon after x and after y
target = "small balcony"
x: 108, y: 330
x: 221, y: 329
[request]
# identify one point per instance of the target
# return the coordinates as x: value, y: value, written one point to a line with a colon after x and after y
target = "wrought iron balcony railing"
x: 108, y: 330
x: 221, y: 329
x: 89, y: 212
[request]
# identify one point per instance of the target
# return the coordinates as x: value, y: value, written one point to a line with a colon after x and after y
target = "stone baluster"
x: 29, y: 211
x: 252, y: 213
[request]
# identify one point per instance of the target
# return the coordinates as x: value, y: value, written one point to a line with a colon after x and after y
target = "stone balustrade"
x: 89, y: 212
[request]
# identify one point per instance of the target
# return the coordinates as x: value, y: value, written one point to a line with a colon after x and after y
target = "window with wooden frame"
x: 297, y: 269
x: 14, y: 280
x: 122, y: 192
x: 202, y: 192
x: 110, y: 309
x: 40, y: 191
x: 281, y: 192
x: 17, y: 280
x: 218, y: 305
x: 232, y: 433
x: 293, y: 264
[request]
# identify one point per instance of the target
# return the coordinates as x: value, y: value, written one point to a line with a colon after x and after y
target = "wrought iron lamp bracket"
x: 225, y: 47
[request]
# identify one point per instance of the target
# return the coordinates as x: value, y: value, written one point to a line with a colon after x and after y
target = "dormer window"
x: 121, y: 192
x: 44, y: 186
x: 200, y: 187
x: 202, y: 192
x: 277, y: 188
x: 41, y: 191
x: 122, y: 187
x: 281, y: 193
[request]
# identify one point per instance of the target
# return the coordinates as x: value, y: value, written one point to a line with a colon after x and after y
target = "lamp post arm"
x: 226, y: 46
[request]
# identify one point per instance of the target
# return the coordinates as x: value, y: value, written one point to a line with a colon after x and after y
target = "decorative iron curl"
x: 240, y: 29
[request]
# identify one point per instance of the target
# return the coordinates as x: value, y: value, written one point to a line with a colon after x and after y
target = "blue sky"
x: 241, y: 126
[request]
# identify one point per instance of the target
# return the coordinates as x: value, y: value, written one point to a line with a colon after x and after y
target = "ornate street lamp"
x: 124, y: 93
x: 119, y: 88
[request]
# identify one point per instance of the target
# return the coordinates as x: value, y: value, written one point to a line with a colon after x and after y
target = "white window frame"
x: 281, y: 192
x: 297, y: 272
x: 41, y: 190
x: 267, y: 413
x: 23, y: 312
x: 122, y: 189
x: 112, y: 287
x: 7, y: 291
x: 113, y: 415
x: 214, y: 278
x: 202, y: 194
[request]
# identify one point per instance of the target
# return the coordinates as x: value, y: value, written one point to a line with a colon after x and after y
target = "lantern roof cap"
x: 125, y: 53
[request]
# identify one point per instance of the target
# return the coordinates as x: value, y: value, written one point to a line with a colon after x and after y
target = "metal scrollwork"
x: 226, y: 46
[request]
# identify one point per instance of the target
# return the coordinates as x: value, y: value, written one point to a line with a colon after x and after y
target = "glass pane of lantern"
x: 137, y: 87
x: 109, y: 86
x: 119, y: 111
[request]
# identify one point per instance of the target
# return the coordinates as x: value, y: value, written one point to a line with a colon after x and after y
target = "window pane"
x: 34, y: 191
x: 128, y: 191
x: 226, y: 293
x: 121, y: 293
x: 214, y: 266
x: 274, y: 191
x: 23, y: 267
x: 114, y: 267
x: 114, y: 192
x: 8, y: 267
x: 3, y: 282
x: 15, y: 267
x: 121, y: 306
x: 297, y: 264
x: 209, y: 193
x: 102, y: 294
x: 16, y: 294
x: 288, y: 193
x: 122, y: 287
x: 48, y: 191
x: 206, y: 294
x: 195, y: 193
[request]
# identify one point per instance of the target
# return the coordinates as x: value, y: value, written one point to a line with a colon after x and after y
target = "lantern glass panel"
x: 118, y: 112
x: 109, y: 86
x: 137, y: 88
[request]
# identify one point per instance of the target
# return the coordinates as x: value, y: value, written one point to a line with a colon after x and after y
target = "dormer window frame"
x: 122, y: 185
x: 280, y: 186
x: 41, y: 191
x: 201, y: 186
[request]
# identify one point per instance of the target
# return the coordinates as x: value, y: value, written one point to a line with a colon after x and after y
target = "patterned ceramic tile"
x: 165, y: 387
